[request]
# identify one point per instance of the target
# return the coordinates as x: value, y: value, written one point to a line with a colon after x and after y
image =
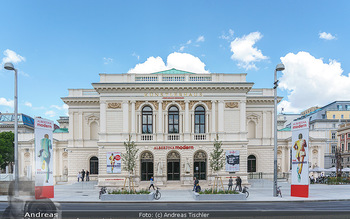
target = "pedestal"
x: 187, y: 179
x: 159, y: 181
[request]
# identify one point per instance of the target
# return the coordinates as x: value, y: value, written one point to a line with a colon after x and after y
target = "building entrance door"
x: 200, y: 165
x: 173, y: 166
x: 146, y: 166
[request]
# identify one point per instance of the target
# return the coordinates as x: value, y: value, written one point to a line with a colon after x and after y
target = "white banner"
x: 43, y: 152
x: 232, y: 161
x: 300, y: 152
x: 114, y: 162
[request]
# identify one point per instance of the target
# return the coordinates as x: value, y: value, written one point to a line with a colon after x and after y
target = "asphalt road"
x: 293, y: 210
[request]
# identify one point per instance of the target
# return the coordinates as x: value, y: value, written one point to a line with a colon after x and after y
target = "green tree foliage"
x: 6, y: 148
x: 217, y: 157
x: 129, y: 157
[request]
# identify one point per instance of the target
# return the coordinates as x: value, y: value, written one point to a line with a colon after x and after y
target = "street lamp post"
x: 279, y: 67
x: 9, y: 66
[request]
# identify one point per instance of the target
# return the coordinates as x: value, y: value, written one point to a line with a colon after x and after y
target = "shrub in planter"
x: 142, y: 191
x: 210, y: 191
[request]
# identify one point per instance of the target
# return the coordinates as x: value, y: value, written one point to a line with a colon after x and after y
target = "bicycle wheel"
x: 246, y: 194
x: 157, y: 195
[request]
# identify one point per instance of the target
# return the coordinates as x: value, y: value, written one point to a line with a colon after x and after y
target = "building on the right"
x: 343, y: 134
x: 327, y: 119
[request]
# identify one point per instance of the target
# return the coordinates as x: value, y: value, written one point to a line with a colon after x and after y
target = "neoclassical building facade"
x: 173, y: 116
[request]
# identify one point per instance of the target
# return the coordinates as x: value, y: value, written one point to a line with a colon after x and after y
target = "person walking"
x: 198, y: 187
x: 238, y: 183
x: 151, y: 184
x: 230, y: 184
x: 195, y: 182
x: 82, y: 175
x: 87, y: 176
x: 79, y: 176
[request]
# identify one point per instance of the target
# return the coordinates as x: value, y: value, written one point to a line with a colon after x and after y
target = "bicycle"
x: 157, y: 195
x: 279, y: 192
x: 245, y: 190
x: 102, y: 191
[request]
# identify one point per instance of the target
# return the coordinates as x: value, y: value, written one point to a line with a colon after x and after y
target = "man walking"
x: 87, y: 176
x: 151, y: 184
x: 82, y: 175
x: 238, y: 183
x: 230, y: 184
x: 195, y: 182
x: 79, y: 176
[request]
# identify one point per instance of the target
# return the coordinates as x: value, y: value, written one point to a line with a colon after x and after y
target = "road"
x: 293, y: 210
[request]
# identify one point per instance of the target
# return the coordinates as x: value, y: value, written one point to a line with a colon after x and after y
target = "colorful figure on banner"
x: 45, y: 155
x: 112, y: 159
x: 300, y: 154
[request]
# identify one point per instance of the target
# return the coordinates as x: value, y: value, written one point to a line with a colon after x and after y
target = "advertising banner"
x: 300, y: 158
x: 114, y: 162
x: 44, y: 187
x: 232, y: 161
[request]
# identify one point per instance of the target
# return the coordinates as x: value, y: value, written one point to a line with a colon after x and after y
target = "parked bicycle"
x: 102, y: 191
x: 245, y: 190
x: 279, y: 192
x: 157, y: 195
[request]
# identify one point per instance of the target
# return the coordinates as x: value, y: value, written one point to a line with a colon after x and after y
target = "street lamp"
x: 279, y: 67
x: 9, y: 66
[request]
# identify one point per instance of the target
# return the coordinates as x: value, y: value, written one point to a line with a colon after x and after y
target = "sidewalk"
x: 260, y: 191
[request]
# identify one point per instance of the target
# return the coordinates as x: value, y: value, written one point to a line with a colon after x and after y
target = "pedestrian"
x: 238, y: 183
x: 230, y: 183
x: 79, y: 176
x: 195, y: 182
x: 198, y: 187
x: 312, y: 180
x: 151, y: 184
x: 82, y: 175
x: 87, y: 176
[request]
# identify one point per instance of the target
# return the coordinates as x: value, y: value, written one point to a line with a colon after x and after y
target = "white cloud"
x: 11, y: 56
x: 182, y: 48
x: 28, y: 104
x: 50, y: 113
x: 63, y: 108
x: 229, y: 36
x: 326, y: 36
x: 200, y: 39
x: 4, y: 102
x: 106, y: 61
x: 312, y: 82
x: 137, y: 56
x: 180, y: 61
x: 245, y: 53
x: 189, y: 42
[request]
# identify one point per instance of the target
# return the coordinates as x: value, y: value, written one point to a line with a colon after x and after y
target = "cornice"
x: 81, y: 100
x: 171, y: 87
x: 262, y: 99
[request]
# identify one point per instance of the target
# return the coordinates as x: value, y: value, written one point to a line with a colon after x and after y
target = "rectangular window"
x: 333, y: 116
x: 348, y: 135
x: 340, y: 107
x: 342, y: 116
x: 323, y: 116
x: 333, y: 135
x: 348, y: 146
x: 347, y: 107
x: 342, y: 147
x: 333, y: 149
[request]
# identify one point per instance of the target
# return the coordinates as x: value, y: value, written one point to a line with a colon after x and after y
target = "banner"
x: 114, y: 162
x: 232, y: 161
x: 44, y: 187
x: 300, y: 158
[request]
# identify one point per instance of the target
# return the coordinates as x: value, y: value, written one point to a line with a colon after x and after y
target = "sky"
x: 61, y: 45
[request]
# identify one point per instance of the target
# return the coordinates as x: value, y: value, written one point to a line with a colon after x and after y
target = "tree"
x: 6, y: 149
x: 217, y: 157
x: 129, y: 157
x: 217, y: 161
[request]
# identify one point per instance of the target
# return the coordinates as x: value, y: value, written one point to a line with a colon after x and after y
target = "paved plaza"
x: 260, y: 191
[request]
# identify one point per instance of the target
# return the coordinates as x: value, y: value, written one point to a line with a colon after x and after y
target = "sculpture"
x: 160, y: 168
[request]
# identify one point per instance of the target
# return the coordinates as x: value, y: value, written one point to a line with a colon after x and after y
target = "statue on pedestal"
x: 187, y: 166
x: 160, y: 168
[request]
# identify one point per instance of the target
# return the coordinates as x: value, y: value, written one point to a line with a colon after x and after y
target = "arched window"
x: 251, y: 163
x: 147, y: 127
x: 173, y: 120
x: 199, y: 120
x: 93, y: 165
x: 94, y: 131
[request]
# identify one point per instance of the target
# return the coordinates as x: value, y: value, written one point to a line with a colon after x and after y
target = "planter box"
x: 127, y: 197
x: 218, y: 197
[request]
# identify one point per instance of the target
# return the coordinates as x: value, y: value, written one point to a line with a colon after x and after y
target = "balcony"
x: 146, y: 137
x: 173, y: 137
x: 199, y: 137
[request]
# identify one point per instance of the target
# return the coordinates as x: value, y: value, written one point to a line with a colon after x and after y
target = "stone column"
x: 160, y: 121
x: 133, y: 115
x: 81, y: 123
x: 187, y: 121
x: 242, y: 113
x: 213, y: 118
x: 125, y: 117
x: 103, y: 124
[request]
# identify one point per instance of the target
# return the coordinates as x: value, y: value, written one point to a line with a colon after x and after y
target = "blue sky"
x: 57, y: 45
